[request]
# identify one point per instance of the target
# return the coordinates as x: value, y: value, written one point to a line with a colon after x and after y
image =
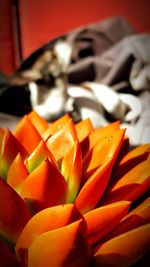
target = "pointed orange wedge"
x: 143, y: 210
x: 71, y: 168
x: 27, y: 134
x: 65, y: 246
x: 17, y: 171
x: 39, y: 123
x: 83, y: 129
x: 101, y: 220
x: 11, y: 147
x: 102, y: 132
x: 56, y: 126
x: 135, y: 218
x: 46, y: 220
x: 125, y: 249
x: 38, y: 155
x: 93, y: 189
x: 62, y: 141
x: 131, y: 186
x: 44, y: 187
x: 105, y: 148
x: 130, y: 160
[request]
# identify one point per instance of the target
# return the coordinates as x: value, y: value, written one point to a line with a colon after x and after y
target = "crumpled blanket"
x: 107, y: 78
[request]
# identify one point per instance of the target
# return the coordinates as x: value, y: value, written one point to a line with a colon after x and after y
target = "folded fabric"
x: 101, y: 71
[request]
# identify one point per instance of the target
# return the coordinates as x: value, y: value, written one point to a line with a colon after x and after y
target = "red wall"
x: 42, y: 20
x: 7, y: 56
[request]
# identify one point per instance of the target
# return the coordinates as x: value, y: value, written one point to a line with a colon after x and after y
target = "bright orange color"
x: 39, y: 123
x: 71, y: 168
x: 143, y: 210
x: 11, y: 147
x: 46, y: 220
x: 102, y: 132
x: 56, y: 126
x: 17, y: 172
x: 27, y: 134
x: 62, y: 141
x: 135, y: 218
x: 92, y: 191
x: 132, y: 185
x: 38, y: 155
x: 105, y: 148
x: 125, y: 249
x: 44, y: 187
x: 65, y: 246
x: 136, y: 152
x: 130, y: 160
x: 83, y: 129
x: 101, y: 220
x: 52, y: 165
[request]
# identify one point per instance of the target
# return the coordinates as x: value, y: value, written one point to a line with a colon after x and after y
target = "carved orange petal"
x: 62, y: 141
x: 11, y: 147
x: 38, y: 155
x: 101, y: 220
x: 107, y: 147
x: 44, y: 187
x: 125, y: 249
x: 65, y: 246
x: 39, y: 123
x: 132, y: 185
x: 56, y: 126
x: 17, y: 172
x: 27, y: 134
x: 72, y: 169
x: 93, y: 189
x: 46, y: 220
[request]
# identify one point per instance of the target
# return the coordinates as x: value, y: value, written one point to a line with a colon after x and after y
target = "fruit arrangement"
x: 72, y: 195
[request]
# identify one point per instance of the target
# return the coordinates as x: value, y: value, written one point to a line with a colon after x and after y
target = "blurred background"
x: 26, y: 25
x: 101, y: 54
